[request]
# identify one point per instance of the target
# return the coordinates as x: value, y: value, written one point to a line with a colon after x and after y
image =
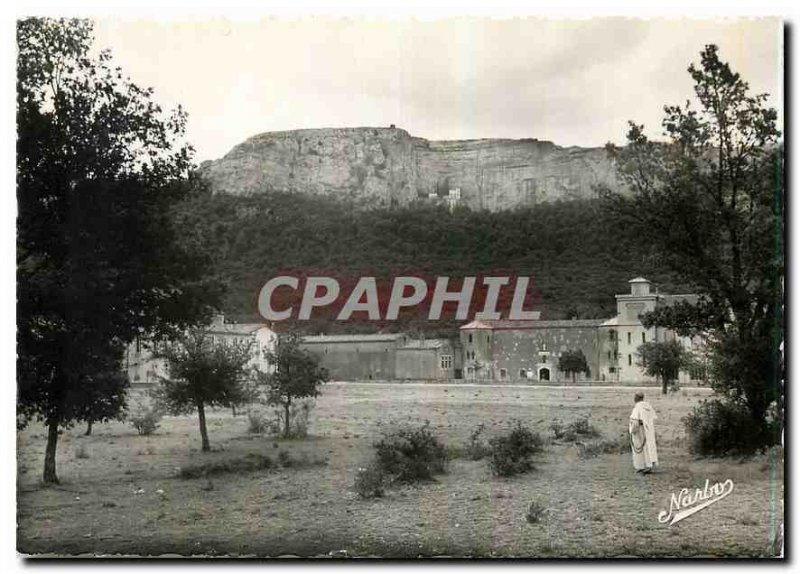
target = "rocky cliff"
x: 385, y: 166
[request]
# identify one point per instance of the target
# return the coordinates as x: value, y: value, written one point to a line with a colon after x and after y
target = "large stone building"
x: 530, y: 350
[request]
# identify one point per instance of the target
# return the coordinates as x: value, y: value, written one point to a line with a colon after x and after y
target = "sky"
x: 573, y: 82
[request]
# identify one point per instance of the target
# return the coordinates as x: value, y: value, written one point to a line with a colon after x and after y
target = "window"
x: 487, y: 338
x: 469, y: 338
x: 470, y: 370
x: 630, y: 361
x: 644, y: 338
x: 612, y: 370
x: 611, y: 335
x: 629, y: 337
x: 446, y: 361
x: 503, y: 373
x: 609, y: 355
x: 522, y: 374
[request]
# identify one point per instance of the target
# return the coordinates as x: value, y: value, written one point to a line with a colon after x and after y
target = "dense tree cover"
x: 578, y: 261
x: 709, y: 203
x: 99, y: 169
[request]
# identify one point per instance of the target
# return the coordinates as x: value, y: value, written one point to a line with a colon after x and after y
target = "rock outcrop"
x: 386, y: 166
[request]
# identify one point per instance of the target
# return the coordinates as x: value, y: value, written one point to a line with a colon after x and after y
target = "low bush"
x: 257, y: 422
x: 582, y: 427
x: 720, y: 428
x: 477, y: 448
x: 248, y: 463
x: 620, y: 445
x: 536, y: 512
x: 410, y: 454
x: 145, y: 418
x: 511, y: 453
x: 369, y: 482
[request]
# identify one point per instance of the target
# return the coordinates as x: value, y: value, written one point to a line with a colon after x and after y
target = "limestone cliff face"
x: 385, y: 166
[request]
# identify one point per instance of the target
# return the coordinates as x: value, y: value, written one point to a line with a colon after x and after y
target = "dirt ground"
x: 120, y: 493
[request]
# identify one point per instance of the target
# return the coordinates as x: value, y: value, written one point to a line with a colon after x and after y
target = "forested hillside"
x: 578, y: 260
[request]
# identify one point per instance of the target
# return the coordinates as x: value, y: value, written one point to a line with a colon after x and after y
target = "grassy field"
x: 121, y: 493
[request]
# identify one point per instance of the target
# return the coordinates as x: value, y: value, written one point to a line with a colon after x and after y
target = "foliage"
x: 145, y: 418
x: 620, y: 445
x: 477, y: 448
x: 410, y: 454
x: 582, y: 426
x: 327, y: 234
x: 100, y: 170
x: 257, y: 422
x: 369, y: 481
x: 203, y: 374
x: 720, y: 428
x: 573, y: 361
x: 663, y: 360
x: 709, y: 203
x: 249, y: 463
x: 296, y: 375
x: 536, y: 512
x: 511, y: 453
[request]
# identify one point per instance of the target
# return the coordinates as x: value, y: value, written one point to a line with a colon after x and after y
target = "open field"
x: 108, y: 502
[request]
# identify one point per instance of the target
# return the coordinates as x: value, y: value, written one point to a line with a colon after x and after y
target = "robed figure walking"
x: 643, y: 435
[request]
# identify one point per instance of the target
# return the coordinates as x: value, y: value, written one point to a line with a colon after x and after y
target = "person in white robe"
x: 643, y: 435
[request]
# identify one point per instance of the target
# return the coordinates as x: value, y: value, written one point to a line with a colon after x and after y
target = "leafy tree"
x: 709, y: 202
x: 100, y: 169
x: 573, y: 361
x: 202, y: 374
x: 296, y: 375
x: 663, y: 360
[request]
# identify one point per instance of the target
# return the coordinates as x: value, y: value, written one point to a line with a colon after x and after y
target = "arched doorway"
x: 544, y: 374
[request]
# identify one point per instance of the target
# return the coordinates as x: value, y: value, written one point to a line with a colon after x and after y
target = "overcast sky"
x: 571, y: 82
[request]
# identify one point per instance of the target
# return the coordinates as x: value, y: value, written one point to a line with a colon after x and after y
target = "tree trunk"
x: 201, y: 413
x: 233, y: 409
x: 49, y: 476
x: 88, y: 429
x: 664, y: 384
x: 286, y: 406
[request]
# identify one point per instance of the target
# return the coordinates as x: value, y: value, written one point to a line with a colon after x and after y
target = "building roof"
x: 354, y: 338
x: 417, y: 344
x: 235, y: 328
x: 508, y: 324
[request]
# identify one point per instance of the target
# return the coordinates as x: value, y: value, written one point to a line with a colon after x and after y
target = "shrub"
x: 536, y: 512
x: 557, y: 428
x: 410, y: 454
x: 145, y: 418
x: 257, y: 423
x: 620, y: 445
x: 369, y: 482
x: 511, y: 453
x: 248, y: 463
x: 583, y: 427
x: 719, y: 428
x: 477, y: 448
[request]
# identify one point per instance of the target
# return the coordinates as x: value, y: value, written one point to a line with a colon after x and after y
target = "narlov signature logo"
x: 686, y: 502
